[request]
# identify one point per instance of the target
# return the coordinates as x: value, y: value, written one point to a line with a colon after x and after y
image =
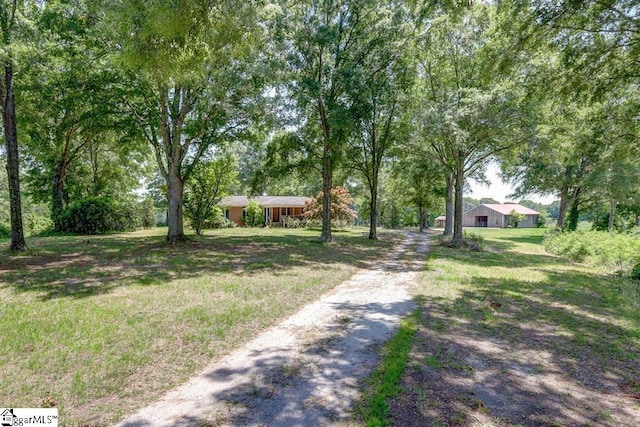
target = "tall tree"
x: 192, y: 60
x: 72, y: 102
x: 380, y: 88
x: 418, y: 178
x: 9, y: 10
x: 326, y: 43
x: 469, y: 115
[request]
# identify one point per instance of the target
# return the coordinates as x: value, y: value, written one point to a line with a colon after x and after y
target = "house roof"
x: 505, y: 208
x: 265, y: 201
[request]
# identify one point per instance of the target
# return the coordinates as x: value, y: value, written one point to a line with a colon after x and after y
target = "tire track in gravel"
x: 306, y: 370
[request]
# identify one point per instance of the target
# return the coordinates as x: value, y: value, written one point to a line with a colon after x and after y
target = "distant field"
x: 100, y: 325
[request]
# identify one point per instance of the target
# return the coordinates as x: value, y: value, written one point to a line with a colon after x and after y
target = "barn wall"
x: 494, y: 219
x: 530, y: 222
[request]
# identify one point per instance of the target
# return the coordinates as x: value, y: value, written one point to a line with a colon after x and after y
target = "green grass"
x: 101, y: 325
x: 382, y: 385
x: 515, y: 293
x: 515, y: 271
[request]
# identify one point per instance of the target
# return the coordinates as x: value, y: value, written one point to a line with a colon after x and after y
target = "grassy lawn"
x: 101, y: 325
x: 514, y: 336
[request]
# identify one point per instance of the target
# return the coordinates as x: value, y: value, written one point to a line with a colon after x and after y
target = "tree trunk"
x: 373, y: 206
x: 574, y: 213
x: 564, y: 203
x: 326, y: 237
x: 174, y: 214
x: 449, y: 205
x: 13, y: 163
x: 57, y: 199
x: 612, y: 215
x: 421, y: 218
x: 459, y: 186
x: 425, y: 219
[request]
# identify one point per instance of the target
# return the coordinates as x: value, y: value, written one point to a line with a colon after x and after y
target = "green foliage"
x: 37, y: 221
x: 87, y: 216
x: 147, y: 213
x: 216, y: 220
x: 516, y: 217
x: 5, y: 232
x: 209, y: 182
x: 635, y: 271
x: 613, y: 252
x: 93, y: 215
x: 255, y: 216
x: 543, y: 218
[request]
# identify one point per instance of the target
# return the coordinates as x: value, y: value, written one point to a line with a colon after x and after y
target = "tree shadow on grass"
x: 559, y: 351
x: 80, y: 267
x: 316, y: 384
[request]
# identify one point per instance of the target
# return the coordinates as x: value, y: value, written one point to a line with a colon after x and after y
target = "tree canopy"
x: 401, y: 102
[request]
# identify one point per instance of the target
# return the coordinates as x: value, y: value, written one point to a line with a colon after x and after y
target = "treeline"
x: 399, y: 102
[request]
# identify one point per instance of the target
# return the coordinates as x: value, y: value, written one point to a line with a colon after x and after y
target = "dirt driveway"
x: 305, y: 371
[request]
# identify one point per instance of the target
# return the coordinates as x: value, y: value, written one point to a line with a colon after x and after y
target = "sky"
x: 499, y: 190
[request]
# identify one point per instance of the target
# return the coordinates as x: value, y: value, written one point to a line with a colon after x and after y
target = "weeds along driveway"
x: 305, y: 371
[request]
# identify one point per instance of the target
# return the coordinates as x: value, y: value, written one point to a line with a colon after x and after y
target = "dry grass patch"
x: 101, y: 325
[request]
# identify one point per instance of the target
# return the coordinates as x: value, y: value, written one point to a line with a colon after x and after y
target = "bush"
x: 217, y: 220
x: 295, y: 223
x: 147, y: 213
x: 313, y: 224
x: 93, y: 215
x: 470, y: 241
x: 543, y: 219
x: 255, y: 216
x: 5, y: 232
x: 635, y: 271
x: 613, y: 252
x: 36, y: 223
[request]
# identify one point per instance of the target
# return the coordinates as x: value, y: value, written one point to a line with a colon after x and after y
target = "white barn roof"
x: 506, y: 208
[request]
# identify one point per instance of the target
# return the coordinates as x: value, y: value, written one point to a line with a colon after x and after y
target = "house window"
x: 226, y: 213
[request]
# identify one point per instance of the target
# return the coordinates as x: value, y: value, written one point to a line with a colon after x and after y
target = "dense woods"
x: 123, y: 109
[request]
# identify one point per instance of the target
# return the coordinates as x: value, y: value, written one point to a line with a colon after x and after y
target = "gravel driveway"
x: 307, y: 370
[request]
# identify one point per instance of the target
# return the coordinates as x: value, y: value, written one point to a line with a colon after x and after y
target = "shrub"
x: 5, y: 232
x: 94, y: 215
x: 470, y: 242
x: 254, y: 216
x: 635, y: 271
x: 36, y: 223
x: 217, y: 220
x: 613, y: 252
x: 86, y: 216
x: 543, y: 218
x: 295, y: 223
x: 147, y: 213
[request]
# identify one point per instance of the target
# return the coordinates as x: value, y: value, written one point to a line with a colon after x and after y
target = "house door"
x: 276, y: 215
x: 482, y: 221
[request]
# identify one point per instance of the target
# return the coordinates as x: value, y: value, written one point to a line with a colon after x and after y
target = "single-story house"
x: 498, y: 216
x: 278, y: 210
x: 439, y: 221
